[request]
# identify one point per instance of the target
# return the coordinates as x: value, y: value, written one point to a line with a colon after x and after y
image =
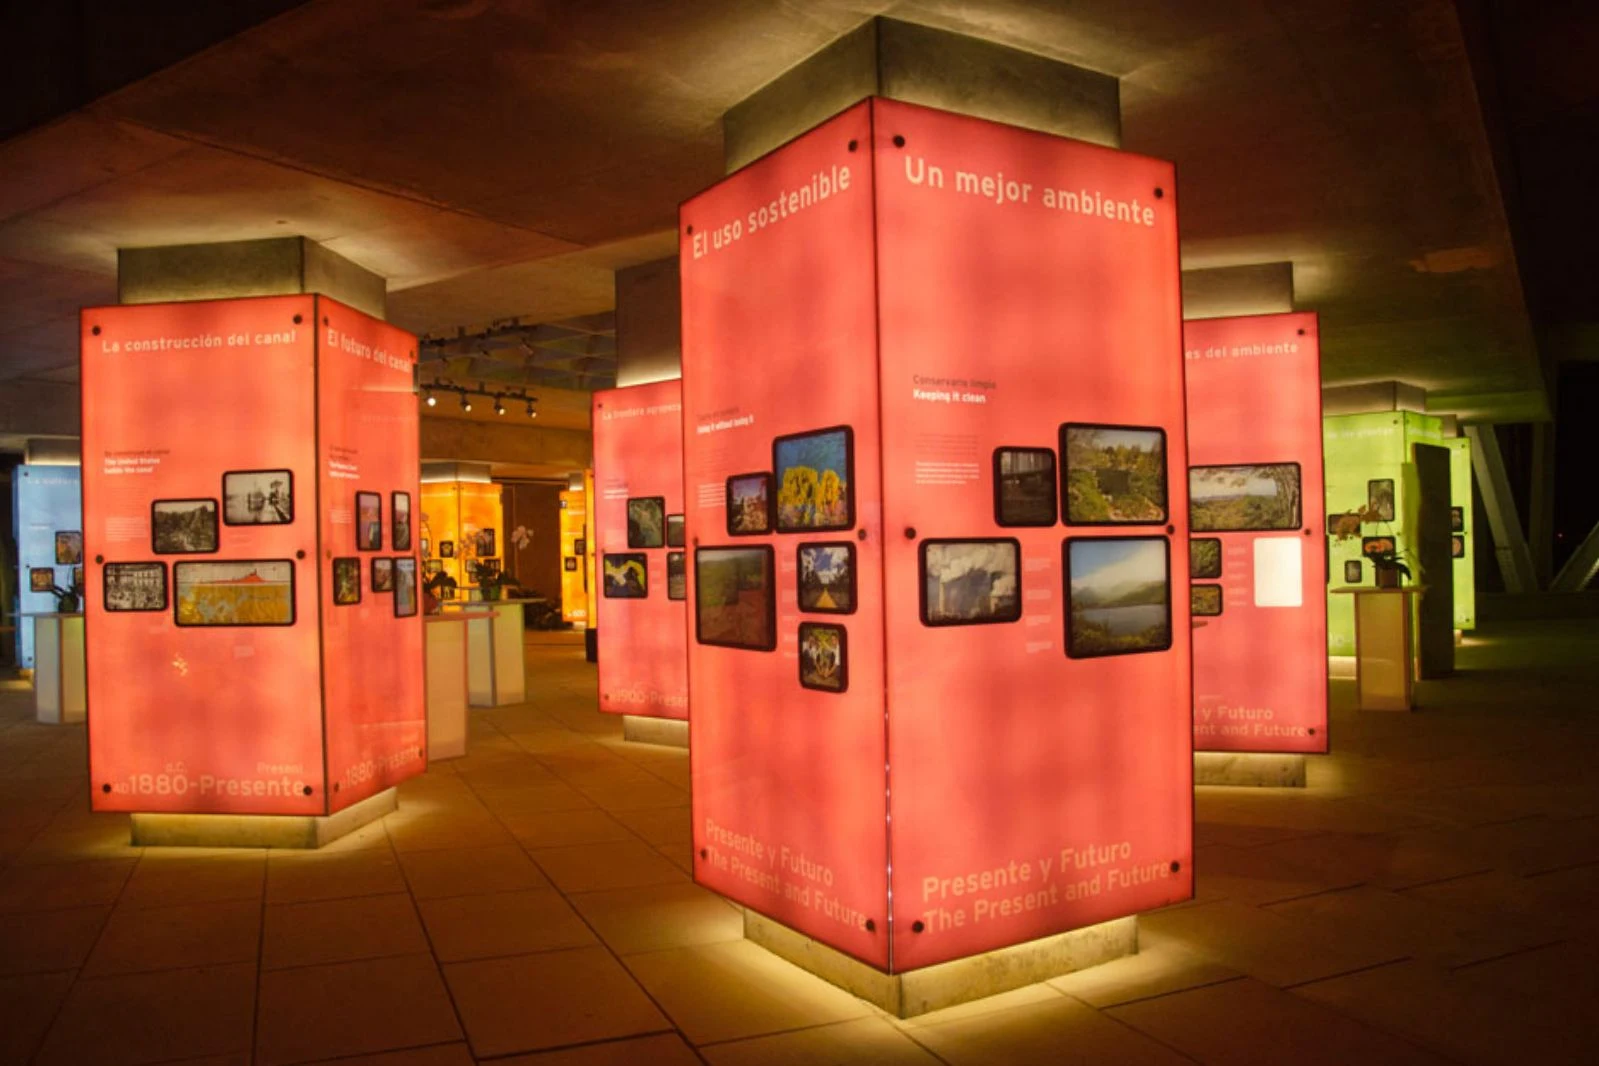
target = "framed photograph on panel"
x: 823, y: 656
x: 827, y: 577
x: 569, y: 565
x: 814, y: 474
x: 258, y: 497
x: 1373, y: 545
x: 1354, y: 572
x: 735, y: 597
x: 674, y: 531
x: 1457, y: 519
x: 1025, y: 487
x: 41, y: 579
x: 400, y: 519
x: 1248, y: 498
x: 1204, y: 558
x: 625, y: 576
x: 1457, y: 546
x: 405, y: 586
x: 69, y: 548
x: 134, y: 586
x: 1118, y: 596
x: 485, y: 542
x: 676, y: 575
x: 183, y: 527
x: 1380, y: 498
x: 257, y: 592
x: 1113, y: 475
x: 368, y: 522
x: 1204, y: 601
x: 346, y: 582
x: 646, y: 522
x: 383, y: 575
x: 749, y: 504
x: 971, y: 582
x: 446, y: 549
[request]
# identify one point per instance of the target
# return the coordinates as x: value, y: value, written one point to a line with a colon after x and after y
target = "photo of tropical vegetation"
x: 1204, y: 558
x: 1118, y: 594
x: 69, y: 548
x: 646, y: 522
x: 1114, y: 474
x: 749, y: 504
x: 236, y: 594
x: 813, y: 481
x: 183, y: 527
x: 1380, y: 499
x: 1024, y: 487
x: 625, y: 576
x: 824, y: 656
x: 404, y: 587
x: 674, y: 531
x: 735, y: 604
x: 368, y: 522
x: 346, y: 582
x: 1233, y: 498
x: 676, y: 576
x: 970, y: 582
x: 1204, y: 601
x: 827, y: 578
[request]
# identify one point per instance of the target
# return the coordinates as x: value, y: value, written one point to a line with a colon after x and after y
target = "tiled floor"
x: 1429, y: 898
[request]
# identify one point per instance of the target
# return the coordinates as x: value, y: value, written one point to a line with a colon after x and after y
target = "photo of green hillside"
x: 1239, y: 498
x: 1114, y: 475
x: 1119, y: 593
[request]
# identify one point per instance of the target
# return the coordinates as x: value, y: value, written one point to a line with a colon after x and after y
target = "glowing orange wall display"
x: 640, y: 549
x: 225, y: 443
x: 574, y: 585
x: 463, y: 524
x: 1259, y: 549
x: 958, y: 386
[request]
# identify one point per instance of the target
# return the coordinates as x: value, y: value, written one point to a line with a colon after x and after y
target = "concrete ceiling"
x: 497, y: 158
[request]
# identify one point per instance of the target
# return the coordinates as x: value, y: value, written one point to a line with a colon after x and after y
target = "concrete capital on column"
x: 274, y: 266
x: 1252, y: 289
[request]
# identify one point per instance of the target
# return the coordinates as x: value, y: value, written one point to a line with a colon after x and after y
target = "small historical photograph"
x: 1457, y: 546
x: 625, y: 576
x: 1380, y: 499
x: 1118, y: 596
x: 646, y: 522
x: 827, y: 578
x: 1243, y: 498
x: 69, y: 548
x: 674, y: 531
x: 1457, y: 519
x: 676, y: 576
x: 484, y: 541
x: 1114, y: 475
x: 41, y: 579
x: 135, y: 586
x: 346, y: 582
x: 1354, y: 572
x: 1204, y: 601
x: 258, y: 497
x: 255, y: 593
x: 823, y: 656
x: 1204, y: 558
x: 77, y: 577
x: 446, y: 549
x: 735, y: 598
x: 814, y: 475
x: 183, y: 527
x: 405, y: 587
x: 400, y: 519
x: 1025, y: 487
x: 382, y: 575
x: 1376, y: 545
x: 749, y: 504
x: 970, y: 582
x: 569, y: 565
x: 433, y: 566
x: 368, y: 522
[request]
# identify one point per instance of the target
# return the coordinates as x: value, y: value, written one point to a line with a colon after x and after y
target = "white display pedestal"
x: 446, y: 650
x: 1385, y: 657
x: 58, y: 684
x: 495, y: 671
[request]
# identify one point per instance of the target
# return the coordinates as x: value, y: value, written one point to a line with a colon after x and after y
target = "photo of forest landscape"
x: 346, y: 582
x: 1204, y: 557
x: 827, y: 578
x: 625, y: 576
x: 236, y: 594
x: 1264, y: 496
x: 813, y: 481
x: 969, y: 582
x: 184, y: 526
x: 735, y: 602
x: 646, y: 522
x: 749, y: 504
x: 1204, y: 600
x: 823, y: 651
x: 1119, y: 594
x: 1114, y: 475
x: 1024, y: 480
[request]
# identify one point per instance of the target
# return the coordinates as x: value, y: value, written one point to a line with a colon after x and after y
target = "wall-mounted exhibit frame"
x: 252, y: 689
x: 1462, y: 528
x: 638, y: 477
x: 574, y: 574
x: 927, y: 283
x: 1255, y: 492
x: 45, y: 500
x: 463, y: 523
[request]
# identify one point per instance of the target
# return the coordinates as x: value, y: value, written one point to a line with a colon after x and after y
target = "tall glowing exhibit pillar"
x: 47, y: 528
x: 254, y: 642
x: 1462, y: 530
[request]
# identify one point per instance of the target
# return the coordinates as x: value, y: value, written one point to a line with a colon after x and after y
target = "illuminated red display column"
x: 250, y: 494
x: 639, y: 524
x: 1258, y: 553
x: 934, y: 459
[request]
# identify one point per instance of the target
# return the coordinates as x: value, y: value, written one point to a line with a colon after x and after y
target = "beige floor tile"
x: 643, y: 795
x: 717, y: 992
x: 448, y: 831
x: 1162, y: 966
x: 38, y: 888
x: 664, y: 1049
x: 596, y: 867
x: 1205, y: 1024
x: 502, y: 923
x: 659, y: 825
x: 302, y: 877
x: 137, y: 939
x: 161, y: 881
x: 457, y: 1054
x: 153, y: 1017
x: 28, y: 1004
x: 548, y: 1000
x: 549, y: 829
x: 470, y: 871
x: 865, y: 1040
x: 49, y: 940
x: 353, y: 1008
x: 1054, y: 1032
x: 679, y: 855
x: 656, y: 917
x: 532, y: 798
x: 340, y: 930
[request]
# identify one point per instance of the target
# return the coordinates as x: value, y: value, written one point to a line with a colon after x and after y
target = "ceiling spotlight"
x: 499, y: 408
x: 466, y: 404
x: 433, y: 401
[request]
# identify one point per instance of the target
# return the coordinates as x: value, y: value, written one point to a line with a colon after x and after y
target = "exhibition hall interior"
x: 899, y: 532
